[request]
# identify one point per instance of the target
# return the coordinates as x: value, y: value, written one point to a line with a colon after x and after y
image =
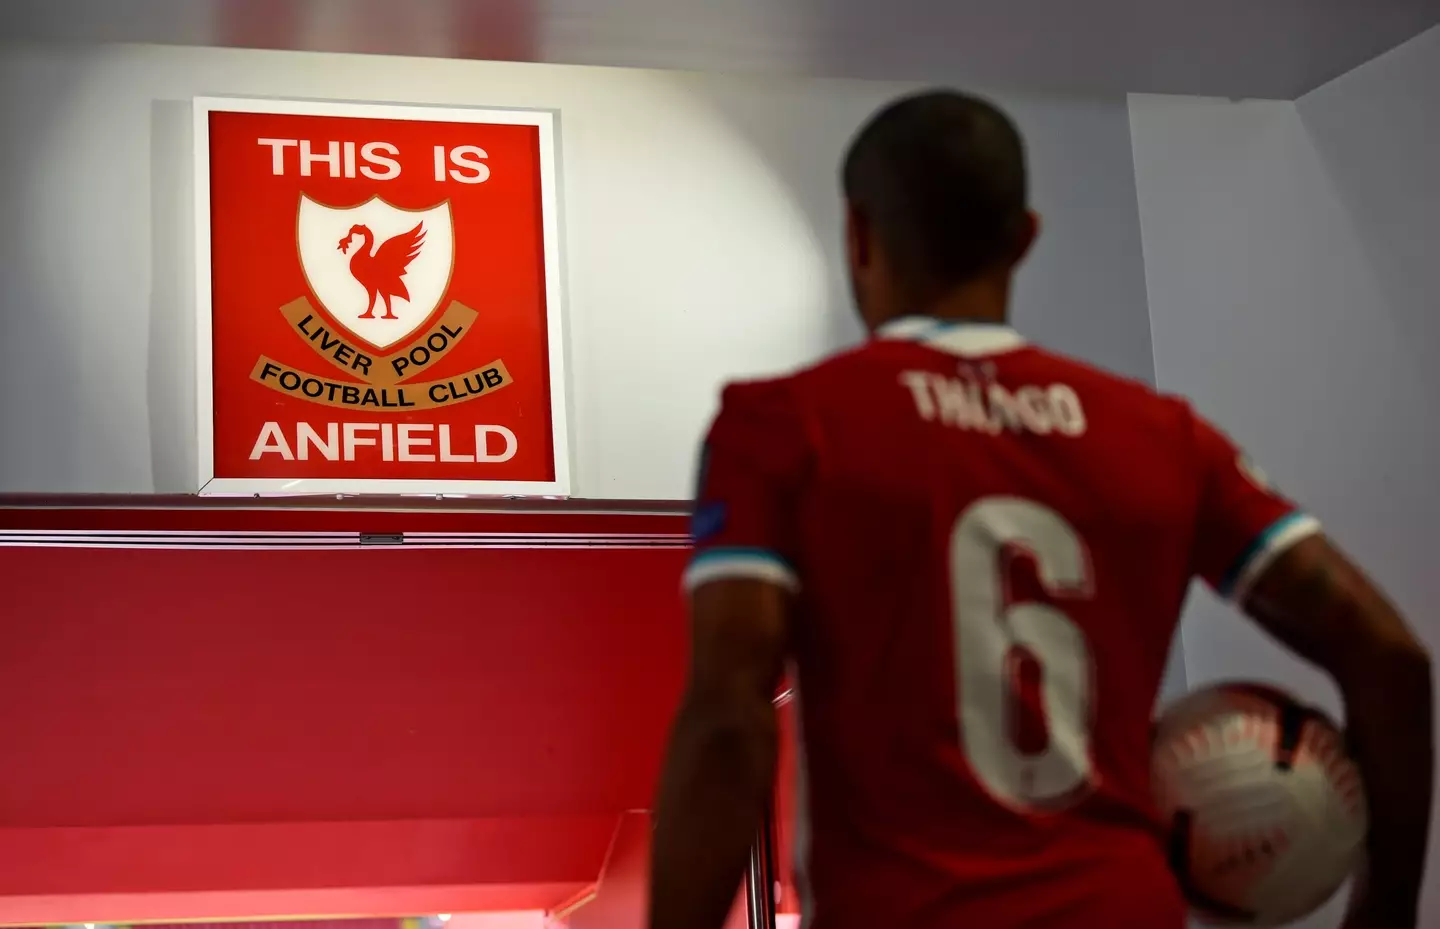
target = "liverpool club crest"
x: 379, y: 292
x: 389, y: 270
x: 379, y: 273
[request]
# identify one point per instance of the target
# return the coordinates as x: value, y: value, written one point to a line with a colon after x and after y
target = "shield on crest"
x: 380, y: 271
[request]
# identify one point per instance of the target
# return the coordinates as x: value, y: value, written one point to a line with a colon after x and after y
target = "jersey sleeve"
x: 1244, y: 524
x: 752, y: 466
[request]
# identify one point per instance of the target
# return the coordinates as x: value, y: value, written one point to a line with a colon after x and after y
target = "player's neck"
x: 983, y: 300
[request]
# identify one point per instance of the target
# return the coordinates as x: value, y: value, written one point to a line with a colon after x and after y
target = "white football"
x: 1266, y: 809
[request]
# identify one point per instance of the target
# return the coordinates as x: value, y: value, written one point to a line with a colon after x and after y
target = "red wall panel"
x: 384, y: 718
x: 147, y: 687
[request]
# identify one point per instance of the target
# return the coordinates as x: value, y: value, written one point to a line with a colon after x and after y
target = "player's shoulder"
x: 1140, y: 399
x: 763, y: 423
x: 1091, y: 375
x: 761, y: 413
x: 787, y: 393
x: 839, y: 376
x: 764, y: 398
x: 786, y: 409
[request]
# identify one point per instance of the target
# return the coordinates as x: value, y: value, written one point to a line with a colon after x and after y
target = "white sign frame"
x: 545, y: 121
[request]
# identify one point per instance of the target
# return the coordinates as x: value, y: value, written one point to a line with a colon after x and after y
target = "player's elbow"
x: 738, y: 737
x: 1410, y: 658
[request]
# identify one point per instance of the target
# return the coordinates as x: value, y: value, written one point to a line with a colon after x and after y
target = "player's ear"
x: 1029, y: 232
x: 858, y: 244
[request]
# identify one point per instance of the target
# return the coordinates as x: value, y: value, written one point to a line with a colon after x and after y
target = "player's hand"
x: 1375, y: 907
x: 1355, y: 921
x: 1367, y: 912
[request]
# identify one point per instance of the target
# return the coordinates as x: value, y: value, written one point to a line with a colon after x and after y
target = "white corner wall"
x: 701, y: 233
x: 1291, y: 273
x: 1376, y: 131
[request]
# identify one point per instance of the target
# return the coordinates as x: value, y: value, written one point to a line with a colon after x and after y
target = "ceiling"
x: 1236, y: 48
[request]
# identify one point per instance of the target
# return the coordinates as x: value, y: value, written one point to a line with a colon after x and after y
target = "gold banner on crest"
x: 423, y: 351
x: 381, y: 398
x: 385, y: 381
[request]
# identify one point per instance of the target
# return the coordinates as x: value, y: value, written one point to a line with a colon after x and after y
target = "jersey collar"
x: 966, y: 339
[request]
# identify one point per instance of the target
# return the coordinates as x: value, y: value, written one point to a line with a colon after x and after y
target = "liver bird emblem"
x: 382, y: 271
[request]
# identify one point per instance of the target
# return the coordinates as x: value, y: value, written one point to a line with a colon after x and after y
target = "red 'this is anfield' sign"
x: 379, y: 298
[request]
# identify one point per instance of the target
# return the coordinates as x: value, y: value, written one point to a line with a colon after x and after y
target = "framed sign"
x: 379, y: 300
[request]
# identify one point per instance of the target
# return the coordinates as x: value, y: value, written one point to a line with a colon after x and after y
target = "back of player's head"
x: 939, y: 179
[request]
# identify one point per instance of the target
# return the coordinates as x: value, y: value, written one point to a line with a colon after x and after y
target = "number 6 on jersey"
x: 1022, y: 671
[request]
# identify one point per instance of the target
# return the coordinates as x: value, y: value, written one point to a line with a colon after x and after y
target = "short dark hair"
x: 940, y: 177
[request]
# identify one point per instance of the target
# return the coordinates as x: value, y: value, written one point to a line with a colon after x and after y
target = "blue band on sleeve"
x: 1277, y: 537
x: 740, y: 562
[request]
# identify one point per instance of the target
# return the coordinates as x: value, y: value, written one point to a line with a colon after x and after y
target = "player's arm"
x: 1320, y: 604
x: 719, y: 769
x: 720, y: 766
x: 1255, y: 547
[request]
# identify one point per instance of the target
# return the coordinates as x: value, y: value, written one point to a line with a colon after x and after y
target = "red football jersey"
x: 990, y: 546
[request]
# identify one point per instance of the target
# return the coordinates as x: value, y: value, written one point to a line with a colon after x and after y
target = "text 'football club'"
x: 377, y: 161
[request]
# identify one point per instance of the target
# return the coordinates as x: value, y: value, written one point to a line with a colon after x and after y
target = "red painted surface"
x: 145, y: 873
x: 375, y: 923
x: 213, y: 734
x: 219, y: 518
x: 386, y: 726
x: 249, y: 904
x: 304, y: 856
x: 179, y: 687
x: 620, y: 899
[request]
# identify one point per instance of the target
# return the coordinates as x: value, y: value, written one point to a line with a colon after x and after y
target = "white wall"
x: 1291, y: 276
x: 701, y: 232
x: 1266, y: 312
x: 1377, y: 133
